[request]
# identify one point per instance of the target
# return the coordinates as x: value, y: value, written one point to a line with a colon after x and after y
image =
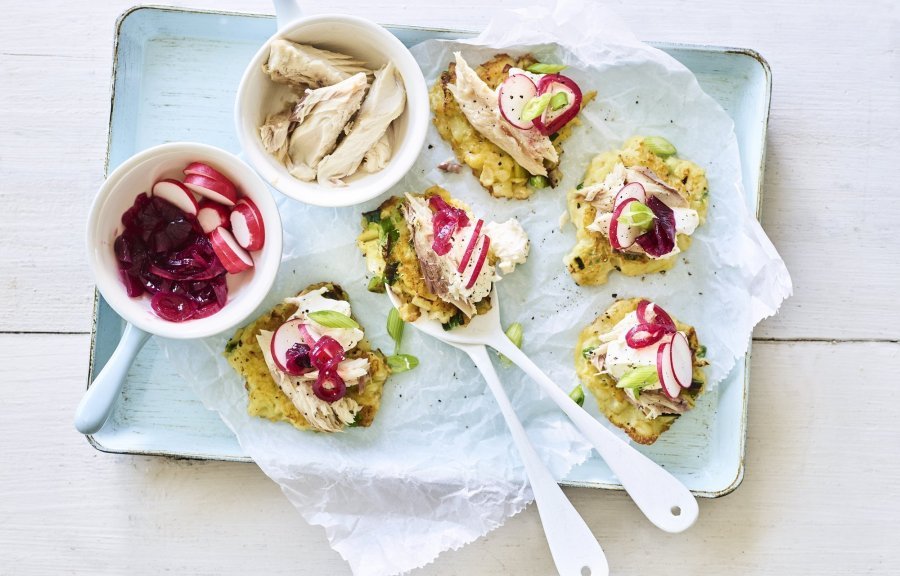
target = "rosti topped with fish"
x: 307, y: 362
x: 436, y: 257
x: 644, y: 367
x: 510, y: 156
x: 635, y: 211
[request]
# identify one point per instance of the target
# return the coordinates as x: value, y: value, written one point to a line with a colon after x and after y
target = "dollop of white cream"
x: 509, y: 243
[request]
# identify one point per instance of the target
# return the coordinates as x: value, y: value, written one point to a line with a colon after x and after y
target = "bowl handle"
x: 286, y: 11
x: 101, y: 396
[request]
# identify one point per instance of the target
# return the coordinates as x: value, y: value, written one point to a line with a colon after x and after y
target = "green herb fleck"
x: 577, y: 394
x: 541, y: 68
x: 373, y: 216
x: 636, y: 214
x: 332, y: 319
x: 402, y: 362
x: 701, y: 352
x: 660, y: 146
x: 395, y: 328
x: 376, y: 284
x: 538, y: 182
x: 639, y: 377
x: 588, y: 352
x: 515, y: 334
x: 580, y: 186
x: 454, y: 321
x: 535, y: 107
x: 559, y: 100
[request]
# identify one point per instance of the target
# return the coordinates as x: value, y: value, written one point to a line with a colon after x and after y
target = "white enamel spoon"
x: 664, y: 500
x: 573, y: 547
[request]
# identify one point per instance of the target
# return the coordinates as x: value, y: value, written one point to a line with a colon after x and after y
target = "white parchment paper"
x: 437, y: 469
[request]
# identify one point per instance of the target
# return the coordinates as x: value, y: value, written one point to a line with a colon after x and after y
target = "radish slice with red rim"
x: 682, y: 360
x: 247, y: 225
x: 208, y: 171
x: 512, y: 96
x: 552, y: 121
x: 177, y: 194
x: 620, y: 235
x: 234, y: 258
x: 643, y: 335
x: 650, y: 313
x: 634, y: 190
x: 479, y: 264
x: 473, y: 241
x: 664, y: 370
x: 215, y: 190
x: 287, y: 349
x: 211, y: 215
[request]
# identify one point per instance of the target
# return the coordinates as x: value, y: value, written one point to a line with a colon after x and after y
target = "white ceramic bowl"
x: 137, y: 175
x: 258, y: 96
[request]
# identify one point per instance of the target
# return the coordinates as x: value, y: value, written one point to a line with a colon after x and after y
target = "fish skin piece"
x: 321, y: 116
x: 306, y: 66
x: 529, y: 148
x: 385, y: 101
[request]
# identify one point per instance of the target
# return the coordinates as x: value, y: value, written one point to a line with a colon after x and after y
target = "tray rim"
x: 747, y: 52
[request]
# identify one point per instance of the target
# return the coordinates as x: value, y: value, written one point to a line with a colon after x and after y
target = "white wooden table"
x: 820, y: 495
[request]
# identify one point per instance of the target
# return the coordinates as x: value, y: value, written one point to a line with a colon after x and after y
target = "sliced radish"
x: 514, y: 93
x: 479, y: 264
x: 202, y: 169
x: 682, y: 360
x: 664, y: 370
x: 620, y: 235
x: 211, y: 215
x: 284, y: 338
x: 247, y: 225
x: 643, y: 335
x: 473, y: 241
x: 308, y: 337
x: 649, y: 313
x: 215, y: 190
x: 633, y: 190
x: 176, y: 193
x: 552, y: 121
x: 234, y: 258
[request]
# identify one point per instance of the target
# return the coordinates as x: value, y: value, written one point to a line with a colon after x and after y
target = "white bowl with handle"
x: 258, y: 97
x: 246, y: 290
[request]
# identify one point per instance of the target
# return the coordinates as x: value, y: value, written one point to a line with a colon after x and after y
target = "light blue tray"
x: 174, y: 78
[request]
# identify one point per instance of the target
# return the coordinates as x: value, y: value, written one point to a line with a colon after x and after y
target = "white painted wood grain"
x: 819, y: 496
x: 835, y: 121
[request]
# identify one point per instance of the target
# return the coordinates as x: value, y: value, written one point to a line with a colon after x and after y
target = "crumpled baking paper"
x: 438, y: 469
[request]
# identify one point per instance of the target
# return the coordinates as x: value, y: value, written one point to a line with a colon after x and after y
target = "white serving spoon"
x: 573, y: 547
x: 664, y: 500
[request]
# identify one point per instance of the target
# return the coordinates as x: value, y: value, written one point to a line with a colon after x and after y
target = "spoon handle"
x: 664, y: 500
x: 572, y: 544
x: 98, y: 402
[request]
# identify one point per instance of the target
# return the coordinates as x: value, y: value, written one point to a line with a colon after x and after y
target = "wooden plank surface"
x: 821, y: 467
x: 818, y: 497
